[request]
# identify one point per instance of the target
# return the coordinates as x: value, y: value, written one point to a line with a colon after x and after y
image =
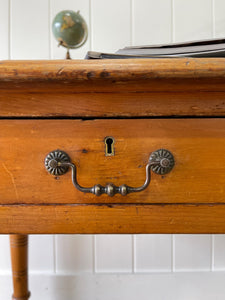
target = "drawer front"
x: 197, y: 145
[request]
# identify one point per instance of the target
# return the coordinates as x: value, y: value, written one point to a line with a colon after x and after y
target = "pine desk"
x: 110, y: 146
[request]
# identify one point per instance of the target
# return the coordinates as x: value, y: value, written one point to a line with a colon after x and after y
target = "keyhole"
x: 109, y: 146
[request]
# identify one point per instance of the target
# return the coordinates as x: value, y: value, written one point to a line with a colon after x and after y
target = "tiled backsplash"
x: 25, y: 33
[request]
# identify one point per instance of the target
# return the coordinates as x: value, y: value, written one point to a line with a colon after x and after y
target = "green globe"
x: 70, y: 29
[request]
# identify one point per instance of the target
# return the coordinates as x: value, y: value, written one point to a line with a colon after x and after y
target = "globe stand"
x: 68, y: 54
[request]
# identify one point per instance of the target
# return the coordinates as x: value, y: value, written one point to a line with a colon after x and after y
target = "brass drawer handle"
x: 160, y: 162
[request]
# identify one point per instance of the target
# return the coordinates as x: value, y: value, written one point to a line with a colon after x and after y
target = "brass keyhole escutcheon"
x: 109, y: 146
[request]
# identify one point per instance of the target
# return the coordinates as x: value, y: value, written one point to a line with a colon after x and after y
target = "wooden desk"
x: 142, y: 106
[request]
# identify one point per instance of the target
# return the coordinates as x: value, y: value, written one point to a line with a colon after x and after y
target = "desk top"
x: 115, y: 69
x: 111, y: 88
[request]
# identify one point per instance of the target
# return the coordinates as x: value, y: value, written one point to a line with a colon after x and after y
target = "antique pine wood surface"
x: 190, y: 199
x: 111, y: 88
x: 197, y: 145
x: 114, y: 218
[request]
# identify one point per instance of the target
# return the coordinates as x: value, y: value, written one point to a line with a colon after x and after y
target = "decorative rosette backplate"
x: 165, y: 161
x: 52, y: 160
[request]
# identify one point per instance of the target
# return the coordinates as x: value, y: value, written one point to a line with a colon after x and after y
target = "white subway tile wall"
x: 25, y: 33
x: 4, y: 29
x: 153, y: 253
x: 113, y: 253
x: 110, y: 21
x: 74, y: 254
x: 193, y: 19
x: 29, y: 34
x: 151, y: 22
x: 219, y: 253
x: 218, y: 17
x: 192, y: 252
x: 4, y: 254
x: 41, y: 253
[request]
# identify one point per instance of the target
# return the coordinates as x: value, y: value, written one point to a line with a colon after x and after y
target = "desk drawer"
x: 197, y: 145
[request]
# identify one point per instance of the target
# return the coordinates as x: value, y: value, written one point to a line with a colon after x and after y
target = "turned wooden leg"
x: 19, y: 258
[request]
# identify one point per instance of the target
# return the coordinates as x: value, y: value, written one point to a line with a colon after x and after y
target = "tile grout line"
x: 54, y: 254
x: 94, y: 253
x: 212, y: 252
x: 172, y: 22
x: 50, y: 54
x: 173, y: 253
x: 213, y: 18
x: 131, y: 22
x: 9, y: 29
x: 90, y: 26
x: 134, y: 252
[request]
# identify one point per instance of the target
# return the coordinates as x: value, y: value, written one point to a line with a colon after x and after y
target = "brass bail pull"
x: 160, y: 162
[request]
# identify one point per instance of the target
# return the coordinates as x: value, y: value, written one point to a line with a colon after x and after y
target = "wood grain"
x: 123, y: 70
x: 53, y: 104
x: 168, y: 218
x: 110, y: 88
x: 197, y: 145
x: 19, y: 258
